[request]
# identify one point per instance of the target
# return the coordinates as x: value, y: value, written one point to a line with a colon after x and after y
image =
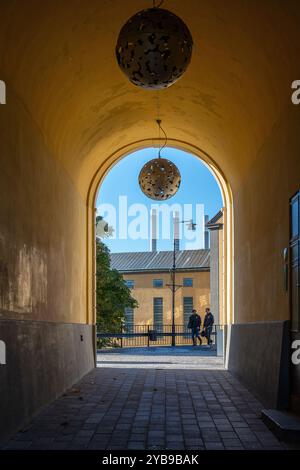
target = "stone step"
x: 284, y: 425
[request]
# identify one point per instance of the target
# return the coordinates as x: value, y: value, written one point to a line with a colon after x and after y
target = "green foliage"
x: 112, y: 295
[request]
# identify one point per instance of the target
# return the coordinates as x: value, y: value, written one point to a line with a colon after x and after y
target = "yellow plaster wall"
x: 262, y: 223
x: 222, y: 274
x: 42, y: 244
x: 63, y: 84
x: 59, y: 57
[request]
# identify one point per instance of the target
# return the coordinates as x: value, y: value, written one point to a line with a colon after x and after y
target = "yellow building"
x: 148, y: 274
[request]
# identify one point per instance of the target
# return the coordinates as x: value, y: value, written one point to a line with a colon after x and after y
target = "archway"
x: 226, y: 193
x: 68, y: 107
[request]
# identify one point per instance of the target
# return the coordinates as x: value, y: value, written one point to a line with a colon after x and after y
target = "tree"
x: 112, y: 294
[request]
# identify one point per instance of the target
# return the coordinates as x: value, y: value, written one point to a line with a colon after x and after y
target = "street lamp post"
x: 174, y: 287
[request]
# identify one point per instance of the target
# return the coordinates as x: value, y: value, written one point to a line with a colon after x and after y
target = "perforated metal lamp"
x: 160, y: 178
x: 154, y: 48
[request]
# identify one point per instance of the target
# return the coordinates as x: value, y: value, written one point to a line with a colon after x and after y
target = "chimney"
x: 153, y: 229
x: 176, y: 230
x: 206, y: 233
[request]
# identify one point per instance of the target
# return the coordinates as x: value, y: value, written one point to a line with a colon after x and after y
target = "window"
x: 129, y: 319
x: 187, y: 282
x: 157, y: 311
x: 158, y: 283
x: 187, y: 309
x: 129, y: 283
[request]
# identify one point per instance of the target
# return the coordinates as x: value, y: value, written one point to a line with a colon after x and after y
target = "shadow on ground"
x: 148, y: 408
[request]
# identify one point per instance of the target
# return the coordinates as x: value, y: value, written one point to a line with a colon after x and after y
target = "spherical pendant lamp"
x: 154, y: 48
x: 159, y: 179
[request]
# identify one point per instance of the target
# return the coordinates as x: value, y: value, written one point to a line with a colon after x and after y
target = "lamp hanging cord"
x: 159, y: 5
x: 166, y: 138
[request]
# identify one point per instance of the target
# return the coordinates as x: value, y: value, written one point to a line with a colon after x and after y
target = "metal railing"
x: 150, y: 335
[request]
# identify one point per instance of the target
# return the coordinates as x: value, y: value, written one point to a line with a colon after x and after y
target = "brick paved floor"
x: 163, y: 404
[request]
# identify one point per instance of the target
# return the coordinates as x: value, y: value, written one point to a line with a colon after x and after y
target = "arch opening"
x: 227, y: 237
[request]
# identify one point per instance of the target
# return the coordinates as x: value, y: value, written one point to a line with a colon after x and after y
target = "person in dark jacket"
x: 195, y: 324
x: 208, y: 325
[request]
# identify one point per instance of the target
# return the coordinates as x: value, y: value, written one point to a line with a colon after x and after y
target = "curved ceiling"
x: 58, y: 58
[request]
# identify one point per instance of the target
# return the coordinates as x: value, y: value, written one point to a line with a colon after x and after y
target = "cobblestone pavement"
x: 134, y: 400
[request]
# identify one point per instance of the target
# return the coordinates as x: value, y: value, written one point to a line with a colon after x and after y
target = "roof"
x: 161, y: 261
x: 215, y: 219
x: 214, y: 224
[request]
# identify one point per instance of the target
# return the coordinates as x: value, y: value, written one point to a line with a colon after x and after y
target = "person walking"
x: 208, y: 325
x: 195, y: 324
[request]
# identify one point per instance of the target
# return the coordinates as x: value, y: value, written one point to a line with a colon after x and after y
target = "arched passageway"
x: 227, y: 206
x: 69, y: 111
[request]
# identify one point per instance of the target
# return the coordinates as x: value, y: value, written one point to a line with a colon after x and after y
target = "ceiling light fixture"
x: 154, y: 48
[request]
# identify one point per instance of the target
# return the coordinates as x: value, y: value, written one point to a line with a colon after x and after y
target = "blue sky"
x: 198, y: 186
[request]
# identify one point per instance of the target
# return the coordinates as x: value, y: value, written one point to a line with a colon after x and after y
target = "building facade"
x: 148, y: 274
x: 215, y: 227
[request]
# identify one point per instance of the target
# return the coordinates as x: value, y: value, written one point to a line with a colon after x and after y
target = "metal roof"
x: 161, y: 261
